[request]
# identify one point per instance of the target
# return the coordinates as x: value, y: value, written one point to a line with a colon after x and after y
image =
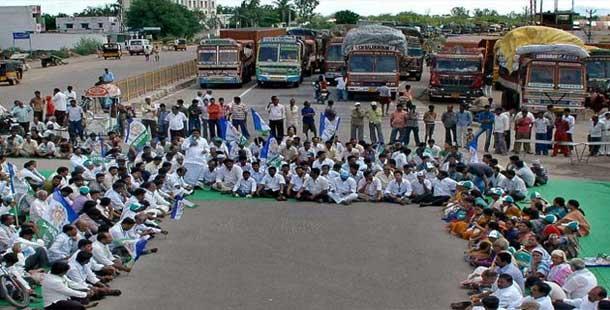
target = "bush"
x: 87, y: 46
x: 62, y: 53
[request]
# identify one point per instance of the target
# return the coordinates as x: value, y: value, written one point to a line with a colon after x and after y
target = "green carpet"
x: 210, y: 195
x: 594, y: 198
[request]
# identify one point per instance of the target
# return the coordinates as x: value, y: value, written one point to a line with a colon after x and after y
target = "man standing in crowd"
x: 277, y: 114
x: 385, y: 97
x: 108, y: 76
x: 374, y: 116
x: 357, y: 123
x: 37, y: 104
x: 176, y: 121
x: 487, y: 119
x: 341, y: 87
x: 398, y: 122
x: 214, y: 114
x: 464, y: 120
x: 61, y: 105
x: 309, y: 122
x: 501, y: 123
x: 23, y: 114
x: 75, y: 119
x: 449, y: 119
x: 292, y: 115
x: 239, y: 116
x: 149, y: 116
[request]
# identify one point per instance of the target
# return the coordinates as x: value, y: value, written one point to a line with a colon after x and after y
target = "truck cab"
x: 412, y: 64
x: 598, y: 74
x: 371, y: 66
x: 334, y: 64
x: 548, y: 78
x: 456, y: 73
x: 279, y: 60
x: 224, y: 61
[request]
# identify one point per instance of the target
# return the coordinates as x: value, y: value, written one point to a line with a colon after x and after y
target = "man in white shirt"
x: 61, y: 106
x: 293, y: 115
x: 315, y: 188
x: 345, y: 188
x: 272, y: 185
x: 369, y: 188
x: 398, y: 190
x: 444, y: 187
x: 515, y: 186
x: 227, y: 176
x: 322, y: 160
x: 589, y: 302
x: 567, y: 116
x: 501, y: 125
x: 508, y: 292
x: 102, y: 254
x: 58, y: 291
x: 176, y: 121
x: 297, y: 180
x: 277, y: 114
x: 64, y: 244
x: 421, y: 187
x: 80, y: 272
x: 341, y: 88
x: 245, y: 187
x: 579, y: 282
x: 540, y: 295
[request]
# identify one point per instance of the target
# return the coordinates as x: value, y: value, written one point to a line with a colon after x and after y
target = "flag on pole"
x: 178, y: 208
x: 259, y: 124
x: 72, y: 216
x: 472, y: 147
x: 229, y: 133
x: 265, y: 150
x: 137, y: 134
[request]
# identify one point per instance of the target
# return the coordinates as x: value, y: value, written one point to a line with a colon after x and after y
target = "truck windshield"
x: 268, y: 53
x: 207, y: 57
x: 227, y: 56
x: 361, y: 63
x: 415, y: 52
x: 288, y: 53
x: 335, y: 53
x: 458, y: 65
x: 541, y: 76
x: 385, y: 64
x: 598, y: 69
x: 570, y: 78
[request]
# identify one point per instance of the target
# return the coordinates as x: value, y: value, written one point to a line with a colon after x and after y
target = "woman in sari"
x: 575, y: 214
x: 560, y: 269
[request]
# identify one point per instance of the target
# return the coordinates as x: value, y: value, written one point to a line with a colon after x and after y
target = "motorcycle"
x: 321, y: 95
x: 8, y: 123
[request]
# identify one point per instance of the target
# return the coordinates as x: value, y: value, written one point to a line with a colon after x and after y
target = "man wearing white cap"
x: 374, y: 115
x: 357, y: 123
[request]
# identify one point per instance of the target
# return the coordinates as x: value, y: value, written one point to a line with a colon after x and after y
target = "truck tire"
x: 203, y: 85
x: 350, y: 96
x: 432, y: 98
x: 418, y: 77
x: 259, y: 83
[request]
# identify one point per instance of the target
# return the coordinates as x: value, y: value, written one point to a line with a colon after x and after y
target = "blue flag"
x: 223, y: 128
x: 72, y: 216
x: 11, y: 176
x: 178, y: 208
x: 327, y: 133
x: 472, y: 147
x: 259, y: 124
x: 140, y: 247
x: 265, y: 150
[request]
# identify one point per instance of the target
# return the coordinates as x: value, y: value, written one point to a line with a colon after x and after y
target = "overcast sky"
x: 363, y: 7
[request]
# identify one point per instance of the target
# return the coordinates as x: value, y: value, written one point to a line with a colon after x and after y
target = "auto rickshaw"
x: 111, y: 50
x: 180, y: 45
x: 10, y: 72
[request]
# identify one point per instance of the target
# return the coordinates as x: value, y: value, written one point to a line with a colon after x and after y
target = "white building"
x: 25, y: 18
x: 100, y: 24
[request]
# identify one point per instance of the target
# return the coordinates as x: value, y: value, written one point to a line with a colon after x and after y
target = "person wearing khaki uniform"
x: 374, y: 115
x: 357, y: 124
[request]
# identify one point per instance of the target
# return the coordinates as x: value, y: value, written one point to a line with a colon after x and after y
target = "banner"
x: 229, y: 133
x: 72, y: 216
x: 137, y: 134
x: 472, y: 147
x: 178, y: 208
x: 328, y: 129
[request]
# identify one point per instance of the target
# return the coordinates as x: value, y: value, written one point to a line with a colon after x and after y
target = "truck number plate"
x: 455, y: 95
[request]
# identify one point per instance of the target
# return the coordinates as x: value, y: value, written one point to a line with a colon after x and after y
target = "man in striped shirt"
x: 239, y: 116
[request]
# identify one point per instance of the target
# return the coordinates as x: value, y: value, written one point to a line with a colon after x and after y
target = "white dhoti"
x: 193, y: 172
x: 343, y: 197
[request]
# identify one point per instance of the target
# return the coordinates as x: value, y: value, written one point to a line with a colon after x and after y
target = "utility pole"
x: 591, y: 12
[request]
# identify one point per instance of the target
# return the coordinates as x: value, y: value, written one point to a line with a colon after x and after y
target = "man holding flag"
x: 329, y: 125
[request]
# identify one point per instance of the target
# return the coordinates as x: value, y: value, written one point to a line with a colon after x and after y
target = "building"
x: 25, y: 18
x: 100, y: 24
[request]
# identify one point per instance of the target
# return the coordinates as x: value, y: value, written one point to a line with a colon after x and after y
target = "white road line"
x: 247, y: 90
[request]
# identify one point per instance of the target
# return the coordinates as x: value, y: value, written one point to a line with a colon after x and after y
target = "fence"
x: 139, y: 85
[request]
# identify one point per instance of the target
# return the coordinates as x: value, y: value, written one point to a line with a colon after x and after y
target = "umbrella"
x: 102, y: 91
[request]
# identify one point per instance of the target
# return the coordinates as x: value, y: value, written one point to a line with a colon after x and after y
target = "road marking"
x: 247, y: 91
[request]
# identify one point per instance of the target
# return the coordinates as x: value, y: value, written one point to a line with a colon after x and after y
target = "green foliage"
x: 87, y: 46
x: 174, y: 19
x: 320, y: 22
x: 459, y: 16
x: 346, y: 17
x: 106, y: 10
x: 285, y: 10
x: 305, y: 9
x: 62, y: 53
x: 49, y: 22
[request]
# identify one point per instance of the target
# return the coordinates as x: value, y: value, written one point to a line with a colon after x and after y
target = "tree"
x: 305, y: 9
x: 174, y: 19
x: 346, y: 17
x: 459, y: 11
x: 285, y: 10
x: 106, y: 10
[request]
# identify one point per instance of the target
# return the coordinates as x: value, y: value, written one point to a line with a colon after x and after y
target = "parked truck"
x: 315, y: 42
x: 373, y: 55
x: 541, y: 66
x: 334, y: 63
x: 598, y: 71
x: 280, y: 61
x: 412, y: 63
x: 459, y: 70
x: 253, y: 34
x: 225, y: 62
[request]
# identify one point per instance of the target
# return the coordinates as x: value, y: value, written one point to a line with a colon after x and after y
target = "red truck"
x: 459, y: 70
x: 334, y: 63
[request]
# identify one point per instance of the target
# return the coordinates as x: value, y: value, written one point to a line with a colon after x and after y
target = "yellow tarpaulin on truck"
x: 532, y: 35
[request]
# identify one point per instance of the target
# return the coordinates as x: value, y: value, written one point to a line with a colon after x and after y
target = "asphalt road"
x: 83, y: 72
x: 261, y: 255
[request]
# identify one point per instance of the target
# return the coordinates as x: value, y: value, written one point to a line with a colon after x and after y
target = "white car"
x: 138, y: 46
